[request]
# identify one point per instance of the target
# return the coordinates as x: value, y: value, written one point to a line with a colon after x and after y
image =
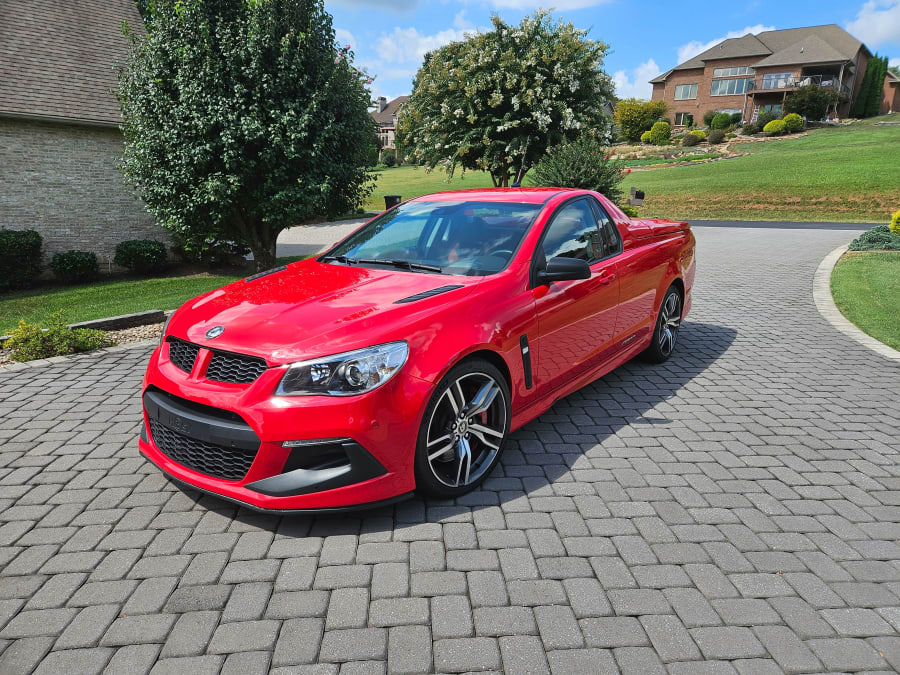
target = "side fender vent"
x: 258, y: 275
x: 428, y: 294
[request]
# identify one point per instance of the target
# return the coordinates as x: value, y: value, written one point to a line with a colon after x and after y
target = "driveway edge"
x: 831, y: 313
x: 17, y: 366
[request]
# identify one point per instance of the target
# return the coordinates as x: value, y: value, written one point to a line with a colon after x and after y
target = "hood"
x: 314, y: 309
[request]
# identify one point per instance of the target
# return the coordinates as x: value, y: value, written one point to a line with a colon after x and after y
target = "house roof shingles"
x: 386, y: 116
x: 58, y: 58
x: 814, y: 44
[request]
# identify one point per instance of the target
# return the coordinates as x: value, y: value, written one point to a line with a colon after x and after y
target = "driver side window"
x: 574, y: 234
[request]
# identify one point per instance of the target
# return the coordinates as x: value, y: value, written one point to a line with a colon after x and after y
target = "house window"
x: 731, y: 87
x: 683, y: 119
x: 774, y: 108
x: 777, y: 80
x: 685, y: 91
x: 731, y: 72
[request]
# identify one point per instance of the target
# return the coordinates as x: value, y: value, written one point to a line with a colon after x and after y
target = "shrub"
x: 140, y: 255
x: 634, y: 116
x: 812, y: 101
x: 20, y: 258
x: 660, y: 133
x: 645, y: 137
x: 731, y: 134
x: 210, y: 251
x: 31, y: 341
x: 73, y: 267
x: 765, y: 117
x: 628, y: 210
x: 736, y: 118
x: 750, y: 129
x: 584, y: 164
x: 388, y: 158
x: 690, y: 140
x: 699, y: 133
x: 716, y: 136
x: 793, y: 122
x: 708, y: 118
x: 895, y: 222
x: 879, y: 238
x: 774, y: 128
x: 720, y: 121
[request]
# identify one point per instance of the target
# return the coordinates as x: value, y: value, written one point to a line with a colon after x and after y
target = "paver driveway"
x: 738, y: 505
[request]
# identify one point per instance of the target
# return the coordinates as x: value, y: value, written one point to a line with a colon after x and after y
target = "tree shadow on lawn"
x: 568, y: 451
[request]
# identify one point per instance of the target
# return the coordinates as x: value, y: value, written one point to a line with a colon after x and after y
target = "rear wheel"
x: 665, y: 335
x: 463, y: 430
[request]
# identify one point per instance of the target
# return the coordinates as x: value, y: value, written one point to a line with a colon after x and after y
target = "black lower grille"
x: 213, y: 460
x: 237, y: 368
x: 182, y: 353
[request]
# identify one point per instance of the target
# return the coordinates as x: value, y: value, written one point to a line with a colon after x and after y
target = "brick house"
x: 59, y: 126
x: 385, y: 116
x: 753, y: 73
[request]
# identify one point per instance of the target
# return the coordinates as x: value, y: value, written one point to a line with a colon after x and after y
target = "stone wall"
x: 62, y: 181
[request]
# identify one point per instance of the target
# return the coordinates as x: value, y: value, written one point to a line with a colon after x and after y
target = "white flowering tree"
x: 497, y: 100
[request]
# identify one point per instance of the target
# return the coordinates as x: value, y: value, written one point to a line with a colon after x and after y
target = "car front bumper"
x: 230, y: 439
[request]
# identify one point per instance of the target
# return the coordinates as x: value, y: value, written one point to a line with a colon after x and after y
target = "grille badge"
x: 215, y: 332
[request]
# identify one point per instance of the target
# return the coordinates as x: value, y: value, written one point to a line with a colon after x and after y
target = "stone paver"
x: 735, y: 510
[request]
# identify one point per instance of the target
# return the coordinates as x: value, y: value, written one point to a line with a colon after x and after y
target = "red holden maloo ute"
x: 402, y: 358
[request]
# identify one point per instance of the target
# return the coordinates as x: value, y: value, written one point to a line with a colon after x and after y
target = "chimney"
x: 381, y: 103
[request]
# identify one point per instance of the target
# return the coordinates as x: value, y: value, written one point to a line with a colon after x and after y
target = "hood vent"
x: 254, y: 277
x: 428, y: 294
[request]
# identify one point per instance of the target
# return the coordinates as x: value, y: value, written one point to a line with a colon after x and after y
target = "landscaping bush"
x: 660, y: 133
x: 813, y: 100
x: 29, y: 341
x: 20, y: 261
x: 140, y: 255
x: 895, y: 222
x: 793, y: 123
x: 690, y: 140
x: 388, y: 158
x: 750, y: 129
x: 73, y: 267
x: 731, y: 134
x: 699, y: 133
x: 628, y: 210
x: 645, y: 137
x: 720, y: 121
x: 774, y: 128
x: 736, y: 118
x: 765, y: 117
x: 716, y: 136
x: 879, y: 238
x: 584, y: 164
x: 708, y: 118
x: 210, y: 252
x: 634, y: 116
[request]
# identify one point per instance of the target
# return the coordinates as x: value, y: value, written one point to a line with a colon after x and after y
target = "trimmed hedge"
x: 716, y: 136
x: 774, y: 128
x: 721, y: 121
x: 660, y: 133
x: 140, y: 255
x: 690, y: 140
x: 73, y: 267
x: 645, y: 137
x: 20, y: 261
x: 699, y: 133
x: 793, y: 123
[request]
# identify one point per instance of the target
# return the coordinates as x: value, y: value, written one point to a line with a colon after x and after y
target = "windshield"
x: 449, y: 237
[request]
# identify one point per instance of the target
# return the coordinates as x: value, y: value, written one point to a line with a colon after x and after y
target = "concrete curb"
x: 830, y: 312
x: 120, y: 322
x: 55, y: 360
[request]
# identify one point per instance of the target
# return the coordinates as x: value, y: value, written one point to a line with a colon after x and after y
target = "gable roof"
x: 386, y: 116
x: 59, y: 58
x: 813, y: 44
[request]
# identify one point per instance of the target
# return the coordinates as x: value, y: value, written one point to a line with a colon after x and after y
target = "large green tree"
x: 498, y: 99
x: 811, y: 101
x: 242, y: 118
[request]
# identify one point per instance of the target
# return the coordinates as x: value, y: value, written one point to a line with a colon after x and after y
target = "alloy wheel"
x: 466, y: 429
x: 669, y: 322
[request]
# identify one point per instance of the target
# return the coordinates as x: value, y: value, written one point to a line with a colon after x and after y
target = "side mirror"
x: 564, y: 269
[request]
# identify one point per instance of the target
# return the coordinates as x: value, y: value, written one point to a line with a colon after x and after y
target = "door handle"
x: 606, y: 278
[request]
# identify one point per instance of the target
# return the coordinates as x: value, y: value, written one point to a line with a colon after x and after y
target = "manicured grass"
x: 412, y: 181
x: 105, y: 298
x: 652, y: 161
x: 842, y: 174
x: 866, y: 287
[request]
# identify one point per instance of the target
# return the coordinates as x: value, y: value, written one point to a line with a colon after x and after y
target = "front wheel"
x: 665, y: 335
x: 463, y: 430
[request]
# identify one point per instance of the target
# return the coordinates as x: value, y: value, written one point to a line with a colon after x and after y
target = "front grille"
x: 182, y: 353
x: 213, y: 460
x: 237, y: 368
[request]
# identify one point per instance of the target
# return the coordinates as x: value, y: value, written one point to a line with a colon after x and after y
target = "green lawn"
x: 103, y: 299
x: 865, y: 286
x: 839, y: 174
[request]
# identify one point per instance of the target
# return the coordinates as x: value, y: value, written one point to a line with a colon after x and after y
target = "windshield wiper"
x: 406, y: 264
x: 340, y: 258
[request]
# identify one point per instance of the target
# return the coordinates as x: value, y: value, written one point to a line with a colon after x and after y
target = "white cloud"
x: 877, y: 22
x: 635, y: 83
x: 694, y: 47
x: 344, y: 37
x: 408, y: 45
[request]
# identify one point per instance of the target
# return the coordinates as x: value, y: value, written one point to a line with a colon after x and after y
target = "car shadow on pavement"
x: 580, y: 447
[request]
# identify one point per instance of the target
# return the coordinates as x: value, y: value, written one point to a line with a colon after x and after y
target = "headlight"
x: 344, y: 374
x: 162, y: 336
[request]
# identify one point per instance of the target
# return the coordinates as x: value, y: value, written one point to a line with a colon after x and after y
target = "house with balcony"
x: 755, y: 73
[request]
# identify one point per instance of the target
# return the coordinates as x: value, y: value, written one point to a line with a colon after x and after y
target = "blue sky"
x: 389, y: 37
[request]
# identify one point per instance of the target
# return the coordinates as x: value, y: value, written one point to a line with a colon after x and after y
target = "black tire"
x: 668, y: 322
x: 472, y: 375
